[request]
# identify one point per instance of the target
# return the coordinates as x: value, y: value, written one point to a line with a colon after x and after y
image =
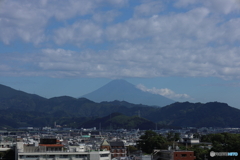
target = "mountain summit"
x: 124, y: 91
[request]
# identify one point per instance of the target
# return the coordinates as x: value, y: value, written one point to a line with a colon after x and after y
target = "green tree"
x: 170, y: 136
x: 150, y: 141
x: 224, y: 142
x: 176, y: 136
x: 196, y: 135
x: 131, y: 149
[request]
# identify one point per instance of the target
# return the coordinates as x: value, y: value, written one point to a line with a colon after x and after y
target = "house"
x: 51, y: 144
x: 188, y: 141
x: 173, y: 155
x: 105, y: 145
x: 117, y: 148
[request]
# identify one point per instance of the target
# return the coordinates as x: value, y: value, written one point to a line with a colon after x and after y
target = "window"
x: 32, y: 156
x: 21, y: 156
x: 51, y: 156
x: 63, y: 156
x: 104, y: 155
x: 80, y: 155
x: 184, y: 155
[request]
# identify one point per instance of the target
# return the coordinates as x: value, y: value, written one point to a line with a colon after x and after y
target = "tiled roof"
x: 120, y: 143
x: 51, y: 145
x: 105, y: 143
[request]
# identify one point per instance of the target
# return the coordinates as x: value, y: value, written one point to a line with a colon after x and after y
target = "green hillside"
x: 117, y: 120
x: 18, y: 109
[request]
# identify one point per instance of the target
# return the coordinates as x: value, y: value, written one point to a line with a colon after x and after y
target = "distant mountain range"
x: 18, y: 109
x: 122, y: 90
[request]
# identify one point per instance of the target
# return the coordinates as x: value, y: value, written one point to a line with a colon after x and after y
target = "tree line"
x: 220, y: 142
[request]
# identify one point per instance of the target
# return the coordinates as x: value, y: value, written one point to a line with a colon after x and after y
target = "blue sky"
x: 186, y: 50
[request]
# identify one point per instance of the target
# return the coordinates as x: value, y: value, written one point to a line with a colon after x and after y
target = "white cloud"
x: 189, y: 26
x: 216, y: 6
x: 131, y: 61
x: 185, y: 3
x: 28, y: 20
x: 223, y: 6
x: 117, y: 3
x: 197, y: 41
x: 24, y: 21
x: 78, y: 33
x: 164, y: 92
x: 62, y: 63
x: 148, y: 8
x: 108, y: 16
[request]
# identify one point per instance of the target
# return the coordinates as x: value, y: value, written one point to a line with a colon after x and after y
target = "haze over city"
x: 185, y: 50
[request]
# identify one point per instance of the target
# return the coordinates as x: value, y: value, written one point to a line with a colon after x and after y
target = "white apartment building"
x: 57, y: 152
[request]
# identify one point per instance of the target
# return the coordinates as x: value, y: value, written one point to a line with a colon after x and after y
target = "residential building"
x: 52, y: 149
x: 173, y: 155
x: 189, y: 141
x: 117, y: 148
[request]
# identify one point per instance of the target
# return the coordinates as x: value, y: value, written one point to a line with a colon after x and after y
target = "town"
x: 30, y: 143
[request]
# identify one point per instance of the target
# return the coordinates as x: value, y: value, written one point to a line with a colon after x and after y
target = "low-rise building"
x: 117, y: 148
x: 173, y: 155
x: 52, y: 150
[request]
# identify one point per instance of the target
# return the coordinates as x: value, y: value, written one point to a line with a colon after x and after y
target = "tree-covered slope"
x: 18, y: 108
x: 117, y: 120
x: 212, y: 114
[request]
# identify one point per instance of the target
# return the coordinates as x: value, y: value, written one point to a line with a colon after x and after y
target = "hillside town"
x: 54, y: 143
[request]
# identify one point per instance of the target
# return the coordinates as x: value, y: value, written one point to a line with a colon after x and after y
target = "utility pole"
x: 205, y: 157
x: 110, y: 121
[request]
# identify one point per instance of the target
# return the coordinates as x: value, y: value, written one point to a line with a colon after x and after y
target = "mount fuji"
x: 122, y: 90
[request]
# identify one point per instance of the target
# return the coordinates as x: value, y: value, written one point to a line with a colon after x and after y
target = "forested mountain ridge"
x: 18, y: 108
